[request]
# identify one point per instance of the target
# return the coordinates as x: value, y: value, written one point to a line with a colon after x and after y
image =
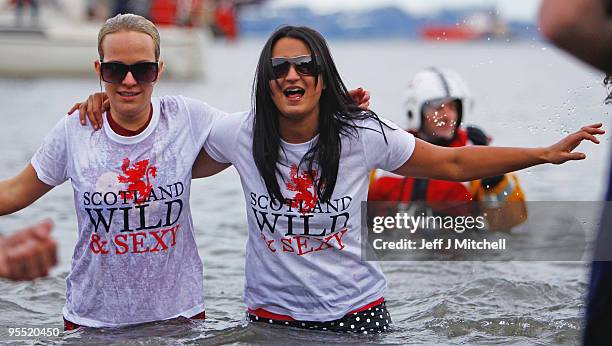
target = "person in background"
x: 20, y: 5
x: 225, y: 19
x: 437, y: 103
x: 28, y: 253
x: 583, y: 28
x: 98, y: 10
x: 138, y: 7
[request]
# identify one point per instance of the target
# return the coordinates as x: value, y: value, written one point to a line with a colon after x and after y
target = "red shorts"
x: 262, y: 313
x: 72, y: 326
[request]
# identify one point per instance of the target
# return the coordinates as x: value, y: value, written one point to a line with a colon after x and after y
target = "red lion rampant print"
x: 306, y: 193
x: 135, y: 178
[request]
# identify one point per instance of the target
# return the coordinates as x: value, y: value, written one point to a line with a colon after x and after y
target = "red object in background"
x: 400, y: 189
x: 450, y: 33
x: 163, y: 12
x: 225, y: 19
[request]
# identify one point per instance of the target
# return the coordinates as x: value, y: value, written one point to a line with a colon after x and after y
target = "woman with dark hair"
x: 303, y: 154
x: 337, y: 110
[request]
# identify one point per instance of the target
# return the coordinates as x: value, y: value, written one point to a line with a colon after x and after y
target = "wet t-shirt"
x: 303, y: 257
x: 136, y: 258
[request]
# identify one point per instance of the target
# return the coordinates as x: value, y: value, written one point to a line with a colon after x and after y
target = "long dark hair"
x: 337, y: 115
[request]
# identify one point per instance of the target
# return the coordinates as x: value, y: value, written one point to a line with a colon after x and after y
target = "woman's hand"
x: 562, y: 151
x: 93, y: 109
x: 361, y: 97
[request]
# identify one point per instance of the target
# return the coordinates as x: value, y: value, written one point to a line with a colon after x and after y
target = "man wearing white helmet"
x: 437, y: 101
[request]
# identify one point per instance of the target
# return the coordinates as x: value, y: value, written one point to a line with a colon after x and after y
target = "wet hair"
x: 608, y: 84
x: 128, y: 22
x: 337, y: 116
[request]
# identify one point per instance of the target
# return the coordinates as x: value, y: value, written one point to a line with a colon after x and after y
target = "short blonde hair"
x: 128, y: 22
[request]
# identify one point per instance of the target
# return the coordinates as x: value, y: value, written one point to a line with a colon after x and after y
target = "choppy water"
x: 526, y: 94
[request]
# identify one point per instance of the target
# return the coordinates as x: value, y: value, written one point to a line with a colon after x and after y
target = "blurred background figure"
x: 98, y: 10
x: 225, y: 19
x: 581, y: 27
x: 584, y: 29
x: 190, y: 13
x: 19, y: 9
x: 29, y: 253
x: 437, y: 102
x: 139, y: 7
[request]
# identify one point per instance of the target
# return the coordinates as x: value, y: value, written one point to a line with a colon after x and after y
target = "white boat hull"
x: 70, y: 51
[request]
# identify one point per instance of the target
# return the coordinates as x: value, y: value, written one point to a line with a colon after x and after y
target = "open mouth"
x: 294, y: 93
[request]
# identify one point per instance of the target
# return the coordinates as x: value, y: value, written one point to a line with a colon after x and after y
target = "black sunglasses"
x: 304, y: 65
x: 115, y: 72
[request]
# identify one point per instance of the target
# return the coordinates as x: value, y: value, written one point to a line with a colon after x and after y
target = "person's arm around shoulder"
x: 202, y: 118
x: 92, y: 109
x: 97, y: 103
x: 206, y: 166
x: 220, y: 148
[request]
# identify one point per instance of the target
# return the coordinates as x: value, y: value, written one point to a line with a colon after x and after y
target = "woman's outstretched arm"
x: 475, y: 162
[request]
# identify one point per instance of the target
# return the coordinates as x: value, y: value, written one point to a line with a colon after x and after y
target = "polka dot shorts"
x: 373, y: 320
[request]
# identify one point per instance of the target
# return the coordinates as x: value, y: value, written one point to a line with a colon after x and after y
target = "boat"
x: 479, y: 25
x: 65, y: 48
x: 450, y: 33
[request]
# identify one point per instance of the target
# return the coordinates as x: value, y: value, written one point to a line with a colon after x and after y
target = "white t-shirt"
x: 303, y: 258
x: 136, y: 259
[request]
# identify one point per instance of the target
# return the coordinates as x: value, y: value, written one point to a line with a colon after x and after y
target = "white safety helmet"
x: 434, y: 84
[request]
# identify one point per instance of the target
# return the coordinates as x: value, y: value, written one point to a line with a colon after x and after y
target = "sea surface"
x: 526, y: 94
